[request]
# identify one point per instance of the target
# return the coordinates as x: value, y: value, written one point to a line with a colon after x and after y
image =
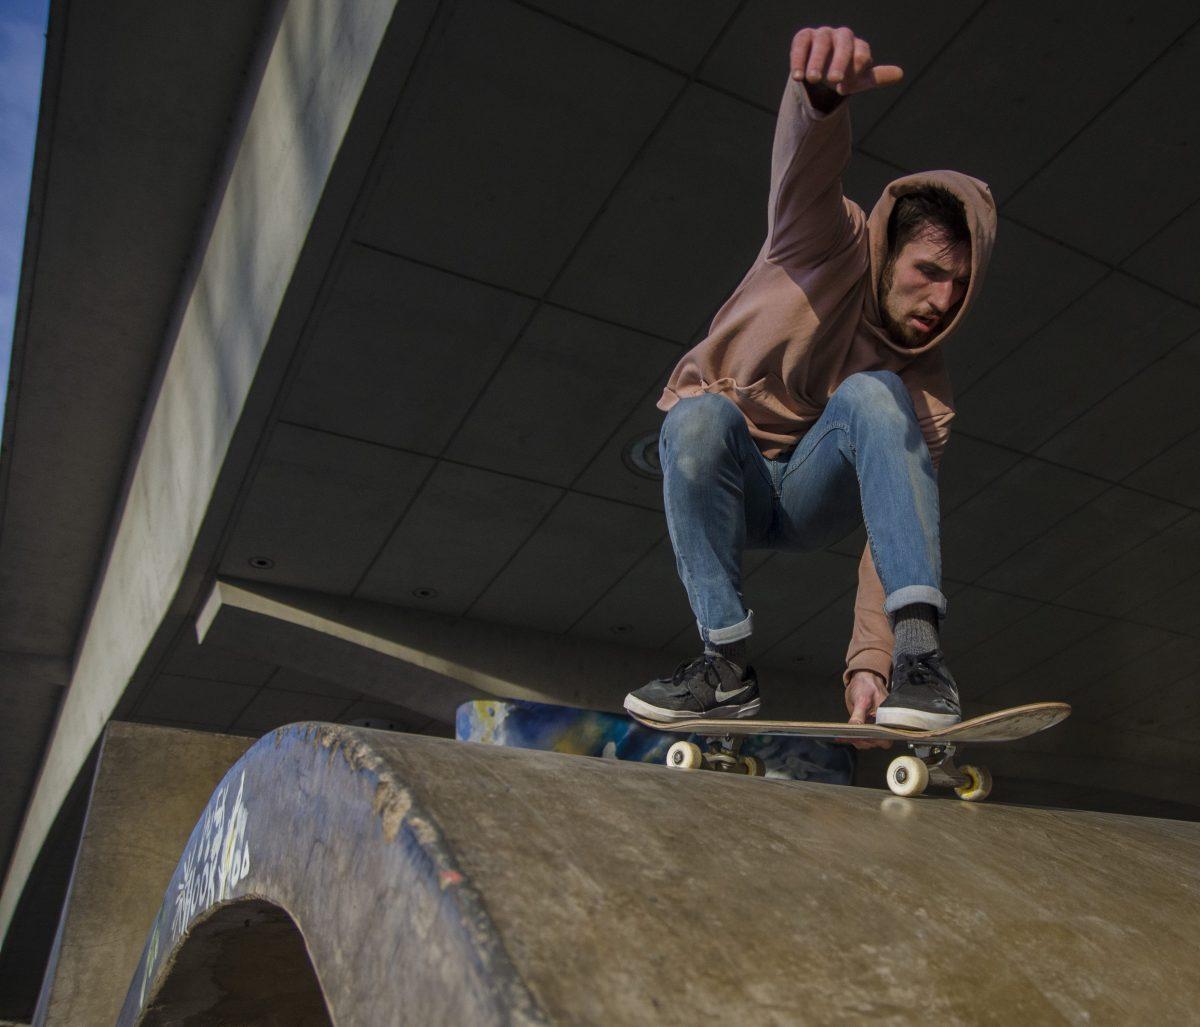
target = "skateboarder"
x: 818, y: 400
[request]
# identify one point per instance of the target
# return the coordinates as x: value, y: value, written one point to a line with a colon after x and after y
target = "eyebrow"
x: 945, y: 270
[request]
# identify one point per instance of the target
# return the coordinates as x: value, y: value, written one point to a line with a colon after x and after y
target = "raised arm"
x: 806, y: 216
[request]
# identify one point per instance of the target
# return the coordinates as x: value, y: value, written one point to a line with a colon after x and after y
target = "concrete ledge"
x: 443, y: 882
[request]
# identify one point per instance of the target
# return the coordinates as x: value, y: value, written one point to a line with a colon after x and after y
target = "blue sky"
x: 22, y: 45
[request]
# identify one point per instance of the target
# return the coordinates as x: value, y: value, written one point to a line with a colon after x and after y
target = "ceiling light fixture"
x: 641, y: 456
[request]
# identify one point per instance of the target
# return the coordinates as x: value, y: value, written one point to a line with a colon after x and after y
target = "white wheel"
x: 753, y: 766
x: 907, y: 775
x: 980, y: 786
x: 685, y: 756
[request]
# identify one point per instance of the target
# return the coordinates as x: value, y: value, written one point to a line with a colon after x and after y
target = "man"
x: 819, y: 400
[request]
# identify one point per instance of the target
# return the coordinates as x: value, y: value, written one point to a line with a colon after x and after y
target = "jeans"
x: 864, y: 459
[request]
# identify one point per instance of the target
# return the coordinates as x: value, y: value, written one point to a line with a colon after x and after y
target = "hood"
x: 980, y: 209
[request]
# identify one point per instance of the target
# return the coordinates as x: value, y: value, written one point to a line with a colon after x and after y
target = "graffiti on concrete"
x: 216, y: 859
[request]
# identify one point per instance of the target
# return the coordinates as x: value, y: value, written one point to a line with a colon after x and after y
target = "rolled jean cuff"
x: 723, y: 636
x: 910, y: 594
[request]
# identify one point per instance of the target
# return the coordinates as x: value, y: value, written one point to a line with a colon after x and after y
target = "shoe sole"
x: 915, y: 719
x: 642, y: 708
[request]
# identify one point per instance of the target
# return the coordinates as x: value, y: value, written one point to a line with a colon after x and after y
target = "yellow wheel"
x: 752, y: 765
x: 980, y: 786
x: 685, y: 756
x: 907, y: 775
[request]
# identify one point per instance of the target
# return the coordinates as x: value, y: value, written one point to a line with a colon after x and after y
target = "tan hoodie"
x: 806, y: 316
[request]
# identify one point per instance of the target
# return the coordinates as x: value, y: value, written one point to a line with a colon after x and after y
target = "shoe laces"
x: 712, y: 676
x: 926, y: 669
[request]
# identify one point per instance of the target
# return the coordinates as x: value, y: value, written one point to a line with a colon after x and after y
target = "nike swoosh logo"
x: 722, y: 695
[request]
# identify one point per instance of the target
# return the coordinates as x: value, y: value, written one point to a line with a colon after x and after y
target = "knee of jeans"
x: 879, y: 396
x: 695, y: 426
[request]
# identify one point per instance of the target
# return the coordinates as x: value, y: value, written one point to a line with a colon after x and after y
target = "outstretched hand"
x: 838, y: 60
x: 864, y: 693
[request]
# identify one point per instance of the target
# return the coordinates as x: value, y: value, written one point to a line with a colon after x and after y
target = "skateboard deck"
x: 567, y: 729
x: 999, y: 726
x: 932, y: 751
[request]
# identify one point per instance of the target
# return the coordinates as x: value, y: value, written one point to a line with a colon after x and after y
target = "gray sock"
x: 916, y: 629
x: 734, y: 652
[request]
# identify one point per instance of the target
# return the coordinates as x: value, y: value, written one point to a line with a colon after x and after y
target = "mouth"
x: 923, y: 323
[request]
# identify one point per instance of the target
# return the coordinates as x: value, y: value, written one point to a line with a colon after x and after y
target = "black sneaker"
x: 708, y: 686
x: 923, y: 694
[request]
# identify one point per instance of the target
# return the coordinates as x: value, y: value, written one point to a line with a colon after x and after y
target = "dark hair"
x: 931, y: 205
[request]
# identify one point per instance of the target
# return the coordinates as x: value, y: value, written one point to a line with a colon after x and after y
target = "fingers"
x: 801, y: 44
x: 843, y: 54
x: 818, y: 56
x: 839, y: 59
x: 864, y: 707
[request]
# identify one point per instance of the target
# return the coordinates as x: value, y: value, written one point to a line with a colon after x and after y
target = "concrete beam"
x: 279, y: 222
x: 430, y: 662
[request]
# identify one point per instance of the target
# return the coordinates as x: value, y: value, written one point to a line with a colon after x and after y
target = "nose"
x: 945, y: 295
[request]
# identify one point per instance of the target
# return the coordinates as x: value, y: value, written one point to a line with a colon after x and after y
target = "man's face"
x: 921, y: 286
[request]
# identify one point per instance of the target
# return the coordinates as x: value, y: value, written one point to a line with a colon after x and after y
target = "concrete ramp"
x: 362, y: 877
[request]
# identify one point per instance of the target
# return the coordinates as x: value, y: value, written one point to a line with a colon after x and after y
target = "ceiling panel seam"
x: 909, y: 84
x: 1102, y: 111
x: 1067, y: 467
x: 551, y: 304
x: 600, y: 598
x: 1161, y: 232
x: 540, y: 302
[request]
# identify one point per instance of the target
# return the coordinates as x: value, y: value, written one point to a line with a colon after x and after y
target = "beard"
x: 900, y: 332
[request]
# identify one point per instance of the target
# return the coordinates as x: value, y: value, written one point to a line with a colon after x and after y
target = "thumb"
x: 872, y: 78
x: 858, y: 715
x: 886, y: 74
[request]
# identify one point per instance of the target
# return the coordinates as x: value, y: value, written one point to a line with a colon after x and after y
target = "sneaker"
x: 923, y: 694
x: 708, y: 686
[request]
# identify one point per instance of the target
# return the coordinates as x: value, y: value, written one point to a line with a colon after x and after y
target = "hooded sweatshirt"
x: 806, y: 316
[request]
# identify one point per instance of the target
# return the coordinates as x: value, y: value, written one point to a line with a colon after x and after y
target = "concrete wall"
x: 151, y: 785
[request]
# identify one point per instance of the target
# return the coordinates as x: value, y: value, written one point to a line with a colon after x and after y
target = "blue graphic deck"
x: 530, y: 725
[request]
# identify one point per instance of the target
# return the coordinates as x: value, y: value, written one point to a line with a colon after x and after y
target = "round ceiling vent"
x: 641, y: 456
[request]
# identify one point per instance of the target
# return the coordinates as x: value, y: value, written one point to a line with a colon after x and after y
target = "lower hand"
x: 864, y: 693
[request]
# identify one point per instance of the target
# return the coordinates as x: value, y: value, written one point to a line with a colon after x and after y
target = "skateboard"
x: 579, y: 732
x: 931, y: 759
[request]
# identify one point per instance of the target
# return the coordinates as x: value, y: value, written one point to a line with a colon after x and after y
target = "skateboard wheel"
x: 685, y: 755
x: 907, y: 775
x: 980, y: 786
x: 752, y: 766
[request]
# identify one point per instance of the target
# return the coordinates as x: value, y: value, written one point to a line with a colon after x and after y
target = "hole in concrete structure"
x: 262, y: 563
x: 245, y: 964
x: 425, y: 593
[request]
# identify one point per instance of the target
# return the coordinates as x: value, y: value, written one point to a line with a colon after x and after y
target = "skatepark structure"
x: 353, y: 876
x: 338, y: 337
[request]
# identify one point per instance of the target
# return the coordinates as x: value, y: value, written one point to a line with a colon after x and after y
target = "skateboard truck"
x: 721, y: 752
x: 934, y: 764
x: 907, y: 775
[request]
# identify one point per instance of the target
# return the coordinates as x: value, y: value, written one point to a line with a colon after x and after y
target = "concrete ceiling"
x: 570, y: 193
